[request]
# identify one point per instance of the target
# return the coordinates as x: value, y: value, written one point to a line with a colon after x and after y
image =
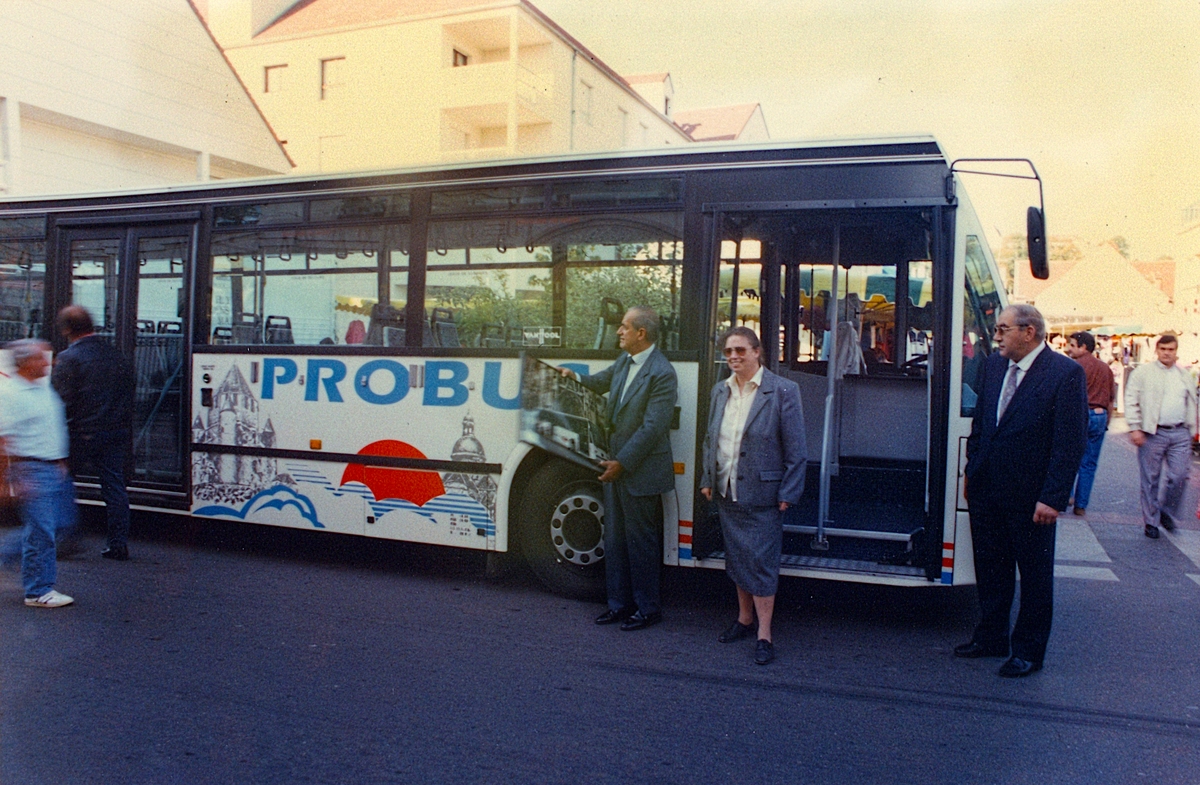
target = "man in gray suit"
x: 641, y: 389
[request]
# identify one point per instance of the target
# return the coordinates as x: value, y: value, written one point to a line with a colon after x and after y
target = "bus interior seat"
x: 279, y: 330
x: 611, y: 313
x: 516, y: 336
x: 170, y: 328
x: 384, y: 316
x: 248, y: 331
x: 11, y: 330
x: 445, y: 329
x: 393, y: 336
x: 427, y: 334
x: 145, y: 326
x: 222, y: 335
x: 491, y: 336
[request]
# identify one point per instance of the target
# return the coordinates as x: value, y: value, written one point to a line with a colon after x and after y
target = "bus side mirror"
x: 1035, y: 241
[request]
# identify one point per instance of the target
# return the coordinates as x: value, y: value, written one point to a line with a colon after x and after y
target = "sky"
x: 1103, y: 97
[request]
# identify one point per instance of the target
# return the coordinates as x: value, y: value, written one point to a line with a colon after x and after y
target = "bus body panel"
x: 256, y: 418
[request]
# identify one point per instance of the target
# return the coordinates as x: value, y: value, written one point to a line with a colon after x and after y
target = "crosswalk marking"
x: 1075, y: 541
x: 1087, y: 573
x: 1196, y: 578
x: 1187, y: 541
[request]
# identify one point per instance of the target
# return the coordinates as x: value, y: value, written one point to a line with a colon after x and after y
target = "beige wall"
x: 109, y: 93
x: 398, y: 100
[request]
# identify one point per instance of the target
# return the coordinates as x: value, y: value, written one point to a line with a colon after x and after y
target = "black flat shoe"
x: 612, y: 617
x: 1152, y: 531
x: 1016, y: 668
x: 736, y: 632
x: 764, y: 652
x: 1166, y: 520
x: 973, y: 650
x: 640, y: 621
x: 116, y: 553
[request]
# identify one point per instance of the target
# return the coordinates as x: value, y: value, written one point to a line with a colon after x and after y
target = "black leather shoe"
x: 1152, y: 531
x: 640, y: 621
x: 973, y: 650
x: 764, y: 652
x: 736, y: 632
x: 1016, y: 667
x: 612, y: 617
x: 1167, y: 521
x: 116, y: 553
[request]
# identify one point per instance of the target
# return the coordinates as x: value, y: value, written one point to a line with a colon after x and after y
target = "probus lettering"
x: 383, y: 382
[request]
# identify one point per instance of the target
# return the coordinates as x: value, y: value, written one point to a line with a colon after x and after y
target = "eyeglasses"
x: 740, y: 351
x: 1001, y: 329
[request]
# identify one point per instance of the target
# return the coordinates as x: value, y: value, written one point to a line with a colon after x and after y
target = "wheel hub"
x: 577, y: 528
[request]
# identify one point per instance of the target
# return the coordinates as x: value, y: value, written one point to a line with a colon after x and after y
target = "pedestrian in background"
x: 1027, y: 438
x: 753, y: 467
x: 33, y: 437
x: 1101, y: 393
x: 96, y: 384
x: 1160, y: 407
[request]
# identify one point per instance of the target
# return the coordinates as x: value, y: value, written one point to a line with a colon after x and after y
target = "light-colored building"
x: 102, y: 94
x: 741, y: 122
x: 355, y: 84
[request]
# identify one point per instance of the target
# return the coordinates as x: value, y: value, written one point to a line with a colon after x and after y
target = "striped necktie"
x: 1010, y: 389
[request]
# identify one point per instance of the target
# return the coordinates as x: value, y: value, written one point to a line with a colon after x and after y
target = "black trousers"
x: 632, y: 548
x: 1005, y: 541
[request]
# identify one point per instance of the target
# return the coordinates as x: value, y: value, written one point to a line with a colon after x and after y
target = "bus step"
x: 860, y: 534
x: 798, y: 562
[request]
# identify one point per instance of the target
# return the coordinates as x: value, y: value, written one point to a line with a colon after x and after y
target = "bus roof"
x: 831, y: 150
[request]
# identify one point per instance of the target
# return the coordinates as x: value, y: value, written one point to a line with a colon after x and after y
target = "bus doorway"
x: 132, y: 279
x: 844, y: 304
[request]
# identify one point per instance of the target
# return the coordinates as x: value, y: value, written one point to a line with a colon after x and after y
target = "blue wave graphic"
x: 279, y: 497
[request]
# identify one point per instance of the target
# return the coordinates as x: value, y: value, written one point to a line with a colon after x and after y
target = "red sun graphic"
x: 408, y: 484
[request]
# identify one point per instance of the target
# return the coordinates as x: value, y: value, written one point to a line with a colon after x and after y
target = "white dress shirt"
x: 1174, y: 401
x: 733, y: 425
x: 1022, y: 369
x: 638, y: 360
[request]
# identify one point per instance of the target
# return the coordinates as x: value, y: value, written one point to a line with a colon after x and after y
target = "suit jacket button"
x: 742, y: 455
x: 740, y: 477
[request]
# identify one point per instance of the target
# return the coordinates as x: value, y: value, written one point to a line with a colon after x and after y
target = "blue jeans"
x: 46, y: 503
x: 1097, y: 427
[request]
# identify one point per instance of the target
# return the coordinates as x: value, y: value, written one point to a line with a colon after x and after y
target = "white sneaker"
x: 50, y: 599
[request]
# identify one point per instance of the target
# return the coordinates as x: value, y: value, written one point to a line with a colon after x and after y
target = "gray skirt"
x: 753, y: 544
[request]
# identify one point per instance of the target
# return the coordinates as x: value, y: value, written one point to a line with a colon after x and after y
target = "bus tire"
x: 561, y: 530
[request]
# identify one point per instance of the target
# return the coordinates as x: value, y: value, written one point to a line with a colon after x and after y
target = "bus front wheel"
x: 561, y: 522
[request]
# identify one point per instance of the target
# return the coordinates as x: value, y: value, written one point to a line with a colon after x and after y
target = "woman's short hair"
x: 743, y: 331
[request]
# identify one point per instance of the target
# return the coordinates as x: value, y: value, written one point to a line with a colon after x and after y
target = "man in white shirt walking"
x: 1160, y: 408
x: 33, y: 434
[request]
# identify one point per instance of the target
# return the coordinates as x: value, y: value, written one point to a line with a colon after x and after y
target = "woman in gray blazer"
x: 754, y: 462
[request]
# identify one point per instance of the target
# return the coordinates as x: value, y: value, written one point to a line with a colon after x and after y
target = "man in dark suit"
x: 1027, y: 439
x: 641, y: 389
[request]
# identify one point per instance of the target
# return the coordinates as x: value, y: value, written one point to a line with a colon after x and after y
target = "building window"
x: 585, y: 103
x: 273, y: 78
x: 332, y: 69
x: 460, y: 58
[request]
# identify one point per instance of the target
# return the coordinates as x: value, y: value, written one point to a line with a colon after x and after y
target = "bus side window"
x: 303, y: 287
x: 981, y: 308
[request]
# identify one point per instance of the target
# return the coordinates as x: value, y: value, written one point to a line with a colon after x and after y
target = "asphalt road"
x: 230, y: 654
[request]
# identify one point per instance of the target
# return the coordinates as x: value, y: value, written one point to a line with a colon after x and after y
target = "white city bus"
x: 342, y: 352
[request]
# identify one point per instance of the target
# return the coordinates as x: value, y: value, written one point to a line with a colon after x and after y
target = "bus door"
x: 132, y: 279
x: 843, y: 303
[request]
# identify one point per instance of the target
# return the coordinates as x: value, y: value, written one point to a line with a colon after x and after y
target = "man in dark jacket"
x: 1026, y: 441
x: 96, y: 384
